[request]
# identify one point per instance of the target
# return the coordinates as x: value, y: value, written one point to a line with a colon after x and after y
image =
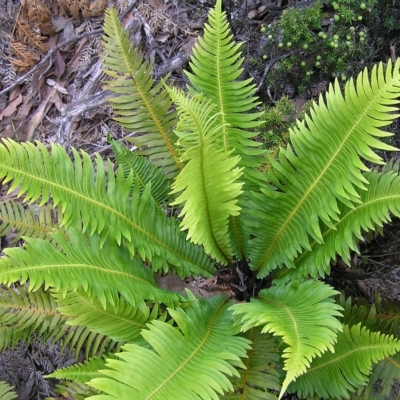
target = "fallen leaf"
x: 12, y: 107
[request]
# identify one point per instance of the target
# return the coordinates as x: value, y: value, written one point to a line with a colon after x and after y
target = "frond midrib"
x: 319, y: 178
x: 108, y: 209
x: 348, y: 215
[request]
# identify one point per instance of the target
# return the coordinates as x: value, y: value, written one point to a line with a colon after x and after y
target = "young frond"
x: 186, y: 362
x: 337, y: 374
x: 302, y: 313
x: 208, y: 185
x: 136, y: 90
x: 94, y: 201
x: 322, y: 170
x: 104, y: 274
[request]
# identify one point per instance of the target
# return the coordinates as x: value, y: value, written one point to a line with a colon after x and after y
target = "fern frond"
x: 7, y: 391
x: 323, y: 169
x: 143, y: 170
x: 136, y: 91
x: 303, y: 314
x: 208, y: 184
x: 75, y: 391
x: 27, y: 221
x: 216, y: 65
x: 82, y: 372
x: 24, y: 314
x: 260, y: 379
x: 337, y: 374
x: 188, y: 362
x: 104, y: 274
x: 96, y: 202
x: 122, y: 322
x: 377, y: 203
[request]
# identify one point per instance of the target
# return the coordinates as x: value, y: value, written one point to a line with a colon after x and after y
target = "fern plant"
x: 275, y: 224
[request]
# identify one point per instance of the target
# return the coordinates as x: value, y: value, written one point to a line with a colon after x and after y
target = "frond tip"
x: 303, y: 314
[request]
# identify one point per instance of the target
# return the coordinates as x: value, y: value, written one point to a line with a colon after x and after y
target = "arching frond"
x: 323, y: 168
x: 27, y: 221
x: 104, y: 275
x: 7, y: 391
x: 188, y: 362
x: 216, y: 66
x: 208, y: 184
x: 96, y: 202
x: 303, y: 314
x: 260, y: 379
x: 336, y: 375
x: 143, y: 170
x: 24, y: 314
x: 136, y: 91
x: 377, y: 203
x: 82, y: 372
x: 121, y: 322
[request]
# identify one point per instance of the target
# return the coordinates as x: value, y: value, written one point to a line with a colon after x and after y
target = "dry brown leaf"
x: 97, y: 7
x: 12, y: 107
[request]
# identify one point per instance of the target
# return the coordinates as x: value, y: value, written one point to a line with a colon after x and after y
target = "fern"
x: 309, y: 334
x: 206, y: 196
x: 208, y: 180
x: 311, y: 177
x: 27, y: 314
x: 101, y: 205
x: 186, y: 363
x: 260, y: 379
x: 337, y: 374
x: 6, y: 392
x: 82, y: 265
x: 137, y: 90
x: 121, y: 322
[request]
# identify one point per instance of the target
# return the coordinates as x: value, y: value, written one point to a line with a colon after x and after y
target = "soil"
x: 51, y: 90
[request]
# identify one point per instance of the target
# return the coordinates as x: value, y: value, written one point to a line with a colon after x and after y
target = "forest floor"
x: 51, y: 90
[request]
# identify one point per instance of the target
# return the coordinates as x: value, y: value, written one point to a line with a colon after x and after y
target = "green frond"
x: 24, y: 314
x: 96, y: 202
x: 141, y: 105
x: 216, y: 65
x: 260, y: 379
x: 104, y: 274
x: 143, y: 171
x: 7, y: 391
x: 337, y: 374
x: 322, y: 169
x: 384, y: 379
x: 377, y: 204
x: 190, y: 361
x: 75, y: 391
x: 208, y: 184
x: 82, y: 372
x: 302, y: 313
x: 121, y: 322
x: 27, y: 221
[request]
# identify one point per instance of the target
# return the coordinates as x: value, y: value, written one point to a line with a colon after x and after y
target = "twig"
x: 50, y: 53
x: 268, y: 69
